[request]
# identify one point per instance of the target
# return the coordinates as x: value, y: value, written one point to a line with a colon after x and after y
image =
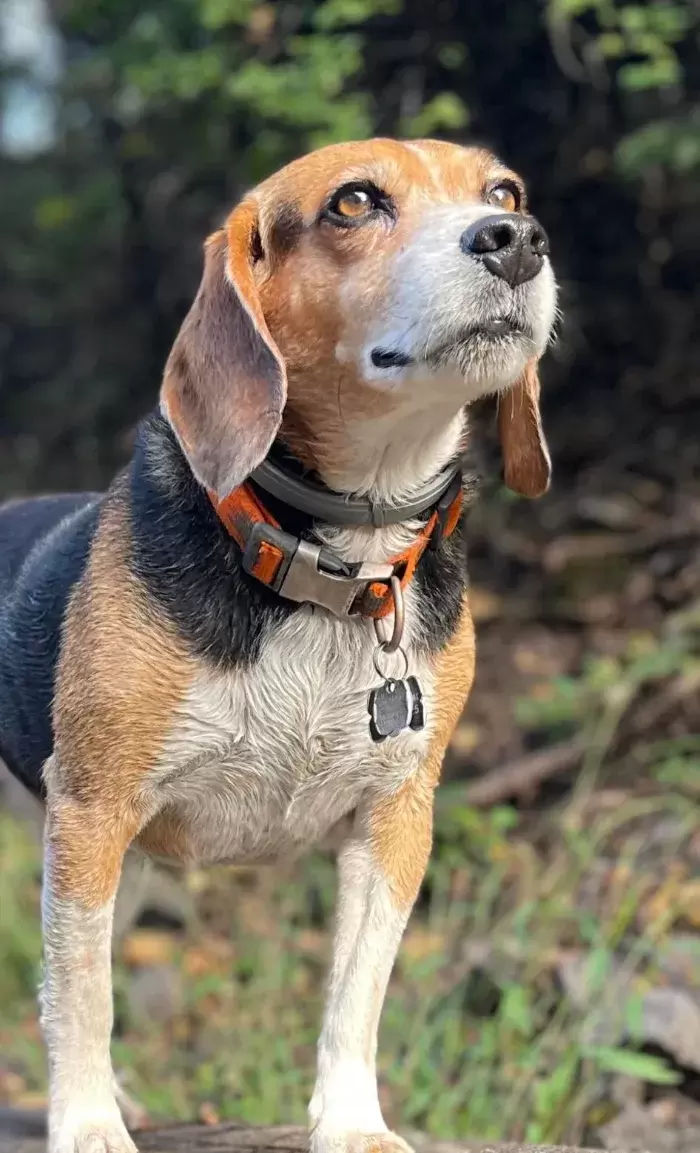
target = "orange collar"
x: 304, y: 572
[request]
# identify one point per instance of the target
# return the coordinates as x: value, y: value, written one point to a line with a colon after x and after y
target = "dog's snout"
x: 512, y: 247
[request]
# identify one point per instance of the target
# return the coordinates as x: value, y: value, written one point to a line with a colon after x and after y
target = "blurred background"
x: 548, y: 986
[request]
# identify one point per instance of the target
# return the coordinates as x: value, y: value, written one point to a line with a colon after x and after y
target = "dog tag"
x: 395, y: 706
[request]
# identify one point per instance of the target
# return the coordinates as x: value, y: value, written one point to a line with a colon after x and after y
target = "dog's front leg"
x: 381, y: 866
x: 84, y: 849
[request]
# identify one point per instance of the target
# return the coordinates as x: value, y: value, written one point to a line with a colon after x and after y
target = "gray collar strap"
x: 334, y: 508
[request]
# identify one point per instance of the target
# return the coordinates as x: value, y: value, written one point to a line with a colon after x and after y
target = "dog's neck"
x: 387, y: 458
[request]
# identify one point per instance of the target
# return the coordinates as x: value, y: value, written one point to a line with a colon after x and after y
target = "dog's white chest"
x: 264, y: 760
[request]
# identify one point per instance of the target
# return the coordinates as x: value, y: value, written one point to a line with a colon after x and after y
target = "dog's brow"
x: 508, y: 175
x: 377, y: 174
x: 286, y: 228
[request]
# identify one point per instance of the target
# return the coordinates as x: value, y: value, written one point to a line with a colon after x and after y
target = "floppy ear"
x: 225, y: 384
x: 526, y: 464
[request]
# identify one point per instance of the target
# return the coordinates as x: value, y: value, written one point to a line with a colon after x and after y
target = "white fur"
x: 263, y: 761
x: 368, y: 931
x: 392, y: 457
x: 76, y: 1003
x: 260, y: 763
x: 437, y: 292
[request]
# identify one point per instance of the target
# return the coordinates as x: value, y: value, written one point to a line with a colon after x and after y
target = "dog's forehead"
x: 425, y: 169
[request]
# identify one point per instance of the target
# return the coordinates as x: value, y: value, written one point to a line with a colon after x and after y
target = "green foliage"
x: 334, y: 14
x: 641, y: 1065
x: 607, y: 683
x: 305, y: 93
x: 19, y: 927
x: 231, y: 56
x: 640, y: 47
x: 664, y: 142
x: 648, y: 33
x: 445, y: 113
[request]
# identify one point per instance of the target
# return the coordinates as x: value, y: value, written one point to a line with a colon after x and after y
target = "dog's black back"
x: 44, y: 544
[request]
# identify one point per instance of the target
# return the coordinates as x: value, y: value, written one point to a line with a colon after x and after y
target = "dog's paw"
x: 355, y: 1142
x: 103, y: 1142
x: 85, y: 1134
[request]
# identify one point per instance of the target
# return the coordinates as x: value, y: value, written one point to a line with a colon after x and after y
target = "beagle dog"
x: 261, y: 631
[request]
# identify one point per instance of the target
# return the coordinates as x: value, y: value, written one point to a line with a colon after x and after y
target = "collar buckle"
x: 293, y: 568
x: 305, y: 580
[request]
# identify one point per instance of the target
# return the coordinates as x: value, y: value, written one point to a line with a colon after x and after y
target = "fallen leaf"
x: 208, y: 1114
x: 11, y: 1086
x: 210, y: 955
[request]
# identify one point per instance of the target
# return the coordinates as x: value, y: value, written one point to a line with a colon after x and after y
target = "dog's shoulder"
x: 188, y: 563
x: 162, y: 599
x: 122, y: 667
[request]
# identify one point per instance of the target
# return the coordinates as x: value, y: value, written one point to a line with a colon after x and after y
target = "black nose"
x: 512, y: 247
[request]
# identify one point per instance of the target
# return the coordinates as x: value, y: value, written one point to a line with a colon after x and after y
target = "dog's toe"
x: 97, y: 1142
x: 92, y: 1136
x: 355, y: 1142
x: 385, y: 1143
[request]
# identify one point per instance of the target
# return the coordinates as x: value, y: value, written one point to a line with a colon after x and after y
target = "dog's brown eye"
x: 355, y: 203
x: 504, y: 196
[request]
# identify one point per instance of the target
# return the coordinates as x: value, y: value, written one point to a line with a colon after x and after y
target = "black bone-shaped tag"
x: 395, y: 706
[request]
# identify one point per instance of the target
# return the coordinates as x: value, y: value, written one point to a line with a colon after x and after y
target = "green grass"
x: 477, y: 1034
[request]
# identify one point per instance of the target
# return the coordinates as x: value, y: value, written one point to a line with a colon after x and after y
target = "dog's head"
x: 364, y: 283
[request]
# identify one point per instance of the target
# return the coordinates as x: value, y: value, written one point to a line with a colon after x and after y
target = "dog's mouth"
x: 489, y: 336
x: 470, y: 341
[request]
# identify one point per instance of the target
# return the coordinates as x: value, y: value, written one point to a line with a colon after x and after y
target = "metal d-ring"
x: 393, y: 643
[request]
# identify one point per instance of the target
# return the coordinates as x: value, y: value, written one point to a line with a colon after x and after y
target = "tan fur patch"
x: 85, y: 846
x: 401, y: 825
x: 166, y: 836
x: 454, y: 676
x: 121, y: 675
x: 402, y: 832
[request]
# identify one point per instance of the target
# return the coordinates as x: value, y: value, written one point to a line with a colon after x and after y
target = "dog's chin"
x: 488, y: 357
x: 462, y: 365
